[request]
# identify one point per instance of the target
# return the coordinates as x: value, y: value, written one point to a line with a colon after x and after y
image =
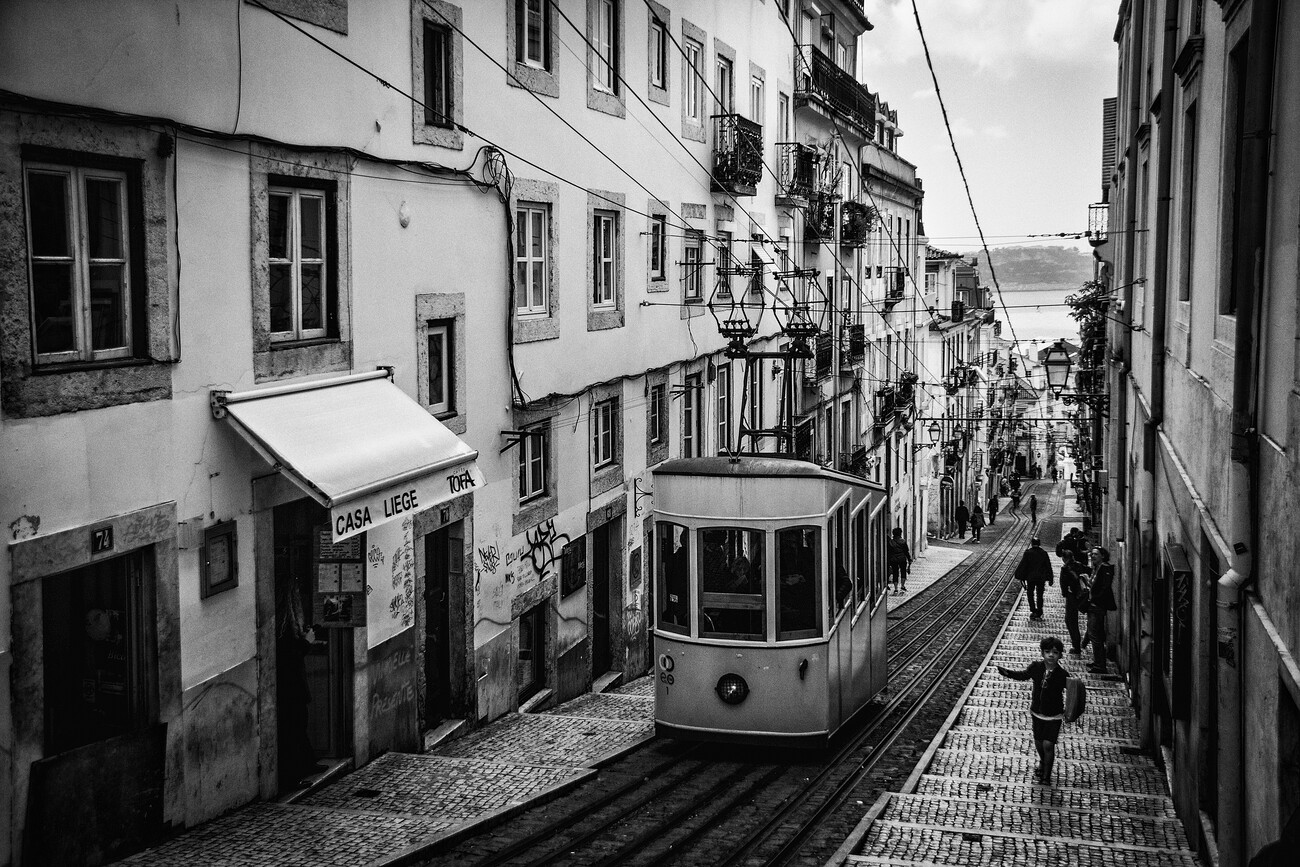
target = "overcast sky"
x: 1023, y: 82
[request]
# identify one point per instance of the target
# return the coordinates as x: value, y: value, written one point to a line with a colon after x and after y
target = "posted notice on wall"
x: 390, y: 580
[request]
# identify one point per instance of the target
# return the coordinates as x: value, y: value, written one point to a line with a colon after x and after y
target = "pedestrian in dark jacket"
x: 1074, y: 543
x: 1075, y: 594
x: 1015, y: 502
x: 962, y: 514
x: 993, y: 509
x: 976, y: 523
x: 1033, y: 509
x: 1046, y: 703
x: 1101, y: 601
x: 1034, y: 573
x: 899, y: 555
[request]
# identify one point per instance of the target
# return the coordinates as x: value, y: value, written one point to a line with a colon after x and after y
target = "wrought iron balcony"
x: 737, y: 155
x: 819, y: 78
x: 1098, y: 224
x: 823, y: 355
x: 856, y: 222
x: 819, y: 218
x: 857, y: 341
x: 854, y: 462
x: 798, y: 168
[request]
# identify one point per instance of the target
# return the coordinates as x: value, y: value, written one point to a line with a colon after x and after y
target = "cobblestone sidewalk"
x: 938, y: 560
x: 402, y: 802
x: 974, y: 798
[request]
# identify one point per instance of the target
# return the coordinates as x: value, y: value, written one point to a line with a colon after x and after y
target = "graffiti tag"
x: 545, y: 546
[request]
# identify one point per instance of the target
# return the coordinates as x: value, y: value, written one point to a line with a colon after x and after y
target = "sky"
x: 1023, y: 82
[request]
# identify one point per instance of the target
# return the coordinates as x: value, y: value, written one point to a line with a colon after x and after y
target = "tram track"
x: 730, y: 810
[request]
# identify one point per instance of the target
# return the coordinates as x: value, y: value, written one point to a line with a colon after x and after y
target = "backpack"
x: 1076, y: 698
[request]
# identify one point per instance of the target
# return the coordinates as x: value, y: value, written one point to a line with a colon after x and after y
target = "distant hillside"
x: 1038, y: 267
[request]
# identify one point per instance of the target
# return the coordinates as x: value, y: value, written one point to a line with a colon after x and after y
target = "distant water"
x: 1038, y: 316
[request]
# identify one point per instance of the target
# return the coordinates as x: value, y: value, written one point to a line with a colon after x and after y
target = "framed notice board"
x: 338, y: 580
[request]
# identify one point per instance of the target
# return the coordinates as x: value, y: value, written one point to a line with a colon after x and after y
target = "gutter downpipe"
x: 1247, y: 272
x: 1131, y: 179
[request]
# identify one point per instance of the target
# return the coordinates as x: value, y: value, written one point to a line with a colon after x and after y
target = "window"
x: 657, y: 423
x: 723, y: 397
x: 658, y: 53
x: 658, y: 247
x: 724, y: 89
x: 692, y: 424
x: 603, y: 258
x: 672, y: 577
x: 694, y: 102
x: 755, y: 398
x: 530, y: 668
x: 724, y: 261
x: 798, y: 551
x: 297, y: 253
x: 531, y: 259
x: 437, y: 75
x: 442, y: 370
x: 783, y: 106
x: 604, y: 431
x: 606, y: 45
x: 861, y: 557
x: 1188, y: 209
x: 533, y: 27
x: 733, y: 598
x: 693, y: 266
x: 756, y: 99
x: 756, y: 266
x: 83, y: 282
x: 534, y: 462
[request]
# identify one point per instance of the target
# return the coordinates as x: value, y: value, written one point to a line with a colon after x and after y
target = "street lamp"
x: 1057, y: 362
x: 935, y: 432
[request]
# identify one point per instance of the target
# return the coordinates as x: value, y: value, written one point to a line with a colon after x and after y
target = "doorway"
x: 600, y: 656
x: 444, y: 580
x: 313, y: 664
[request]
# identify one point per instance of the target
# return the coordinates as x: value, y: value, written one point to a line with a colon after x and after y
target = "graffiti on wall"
x: 545, y: 546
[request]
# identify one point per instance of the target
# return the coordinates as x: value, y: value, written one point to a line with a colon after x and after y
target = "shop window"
x: 672, y: 577
x: 797, y: 588
x: 733, y: 598
x: 98, y: 654
x: 530, y: 667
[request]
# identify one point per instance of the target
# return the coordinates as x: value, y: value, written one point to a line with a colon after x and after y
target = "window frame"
x: 693, y: 270
x: 523, y: 27
x: 79, y: 261
x: 664, y: 532
x: 604, y: 290
x: 692, y: 423
x: 605, y: 60
x: 604, y: 433
x: 725, y: 84
x: 755, y: 419
x: 442, y: 91
x: 658, y: 415
x: 429, y: 17
x: 658, y: 53
x: 693, y: 100
x: 658, y: 244
x: 447, y: 329
x: 296, y: 194
x: 534, y: 453
x: 722, y: 407
x: 528, y: 209
x: 816, y: 604
x: 725, y: 600
x: 757, y: 95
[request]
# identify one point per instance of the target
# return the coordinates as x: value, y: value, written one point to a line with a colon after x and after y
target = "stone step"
x: 1111, y: 728
x: 1054, y: 797
x: 1112, y: 776
x: 1075, y: 748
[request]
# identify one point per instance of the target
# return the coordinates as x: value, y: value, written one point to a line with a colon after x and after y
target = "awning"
x: 358, y: 445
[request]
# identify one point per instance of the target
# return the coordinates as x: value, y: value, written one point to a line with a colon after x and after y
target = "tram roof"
x: 765, y: 466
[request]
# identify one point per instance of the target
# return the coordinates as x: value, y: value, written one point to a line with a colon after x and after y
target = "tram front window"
x: 732, y: 601
x: 674, y: 559
x: 797, y: 587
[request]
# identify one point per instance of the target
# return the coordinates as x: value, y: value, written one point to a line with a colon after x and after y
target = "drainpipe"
x: 1132, y: 178
x: 1247, y: 274
x: 1165, y: 170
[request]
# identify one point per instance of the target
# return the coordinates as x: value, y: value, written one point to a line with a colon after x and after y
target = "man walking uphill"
x: 993, y: 509
x: 1034, y: 573
x: 1033, y: 509
x: 900, y: 558
x: 962, y: 514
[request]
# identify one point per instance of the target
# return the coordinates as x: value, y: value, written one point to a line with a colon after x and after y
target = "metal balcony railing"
x: 737, y: 155
x: 818, y: 76
x: 797, y: 164
x: 823, y: 354
x: 856, y: 223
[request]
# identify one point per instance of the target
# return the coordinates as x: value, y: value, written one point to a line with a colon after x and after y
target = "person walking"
x: 1075, y: 544
x: 1033, y: 509
x: 962, y: 514
x: 1076, y: 597
x: 993, y: 509
x: 1101, y: 601
x: 1046, y: 702
x: 1034, y: 573
x: 899, y: 558
x: 976, y: 524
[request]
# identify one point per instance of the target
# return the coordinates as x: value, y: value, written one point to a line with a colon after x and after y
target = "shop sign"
x: 399, y: 501
x: 946, y: 483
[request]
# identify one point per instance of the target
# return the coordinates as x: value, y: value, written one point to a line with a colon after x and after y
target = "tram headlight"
x: 732, y: 688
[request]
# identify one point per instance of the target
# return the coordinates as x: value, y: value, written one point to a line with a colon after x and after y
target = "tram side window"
x: 732, y: 599
x: 674, y: 559
x: 880, y: 572
x: 843, y: 584
x: 797, y: 585
x: 861, y: 553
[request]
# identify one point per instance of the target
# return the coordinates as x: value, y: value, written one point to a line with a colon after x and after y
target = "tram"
x: 769, y: 599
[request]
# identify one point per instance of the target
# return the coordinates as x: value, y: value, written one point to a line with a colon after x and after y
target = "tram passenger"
x: 676, y: 566
x: 1047, y: 702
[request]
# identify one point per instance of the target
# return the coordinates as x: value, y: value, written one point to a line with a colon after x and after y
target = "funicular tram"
x: 769, y: 598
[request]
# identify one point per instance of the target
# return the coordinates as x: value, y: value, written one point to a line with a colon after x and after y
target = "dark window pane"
x: 107, y: 307
x: 52, y: 307
x: 436, y: 103
x: 732, y: 602
x: 47, y: 198
x: 104, y: 218
x: 521, y: 284
x: 673, y: 557
x: 281, y: 298
x: 437, y: 389
x: 796, y: 583
x: 312, y: 214
x: 278, y: 226
x: 312, y: 296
